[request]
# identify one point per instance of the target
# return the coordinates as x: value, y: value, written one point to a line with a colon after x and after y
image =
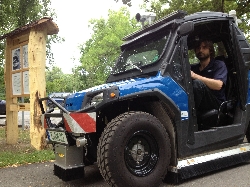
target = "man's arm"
x: 211, y: 83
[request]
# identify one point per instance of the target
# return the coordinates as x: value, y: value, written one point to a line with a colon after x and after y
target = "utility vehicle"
x: 141, y: 126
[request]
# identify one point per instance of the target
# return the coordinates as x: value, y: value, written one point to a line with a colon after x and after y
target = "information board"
x: 20, y: 70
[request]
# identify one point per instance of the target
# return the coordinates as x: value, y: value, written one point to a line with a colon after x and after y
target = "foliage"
x: 103, y: 48
x: 125, y: 2
x: 22, y: 152
x: 242, y: 8
x: 16, y: 13
x: 57, y: 81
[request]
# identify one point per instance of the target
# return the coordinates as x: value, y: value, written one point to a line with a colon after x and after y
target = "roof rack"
x: 174, y: 15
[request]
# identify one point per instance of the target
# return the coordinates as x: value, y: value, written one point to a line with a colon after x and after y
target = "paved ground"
x: 36, y: 175
x: 41, y: 175
x: 23, y: 119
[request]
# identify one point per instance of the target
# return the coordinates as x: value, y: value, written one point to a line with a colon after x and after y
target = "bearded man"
x: 209, y: 78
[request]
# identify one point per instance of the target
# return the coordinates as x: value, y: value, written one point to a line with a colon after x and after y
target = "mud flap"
x: 69, y: 162
x: 69, y: 173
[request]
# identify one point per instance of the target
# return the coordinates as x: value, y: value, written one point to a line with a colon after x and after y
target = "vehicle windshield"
x: 141, y: 54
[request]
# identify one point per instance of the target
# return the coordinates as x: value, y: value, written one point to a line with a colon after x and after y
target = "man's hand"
x: 211, y: 83
x: 193, y: 75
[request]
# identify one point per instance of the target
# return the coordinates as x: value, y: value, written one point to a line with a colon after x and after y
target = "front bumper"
x: 72, y: 122
x: 68, y: 137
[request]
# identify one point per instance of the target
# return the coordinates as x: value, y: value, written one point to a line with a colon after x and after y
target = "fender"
x: 159, y: 94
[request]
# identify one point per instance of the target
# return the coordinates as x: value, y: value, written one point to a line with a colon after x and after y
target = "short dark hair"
x: 207, y: 43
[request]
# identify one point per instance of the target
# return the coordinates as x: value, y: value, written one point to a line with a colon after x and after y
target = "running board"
x: 204, y: 163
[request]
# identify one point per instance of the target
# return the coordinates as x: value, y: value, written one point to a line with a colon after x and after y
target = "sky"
x: 72, y: 20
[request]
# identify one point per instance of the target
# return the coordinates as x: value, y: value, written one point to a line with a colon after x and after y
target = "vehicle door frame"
x: 211, y: 139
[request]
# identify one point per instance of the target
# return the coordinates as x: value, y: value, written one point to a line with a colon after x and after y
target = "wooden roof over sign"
x: 51, y: 26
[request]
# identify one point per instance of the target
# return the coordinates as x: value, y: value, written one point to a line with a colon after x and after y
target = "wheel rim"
x: 141, y: 153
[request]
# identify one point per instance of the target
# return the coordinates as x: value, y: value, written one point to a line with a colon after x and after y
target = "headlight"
x: 99, y: 97
x: 96, y: 99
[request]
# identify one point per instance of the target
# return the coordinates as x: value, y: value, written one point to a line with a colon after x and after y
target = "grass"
x: 22, y: 152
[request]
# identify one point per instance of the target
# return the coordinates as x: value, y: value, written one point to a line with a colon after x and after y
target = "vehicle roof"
x: 177, y: 17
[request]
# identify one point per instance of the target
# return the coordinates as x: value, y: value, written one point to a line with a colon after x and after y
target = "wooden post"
x: 11, y: 116
x: 37, y: 61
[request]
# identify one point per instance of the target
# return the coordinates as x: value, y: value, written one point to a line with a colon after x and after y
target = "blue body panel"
x: 165, y: 84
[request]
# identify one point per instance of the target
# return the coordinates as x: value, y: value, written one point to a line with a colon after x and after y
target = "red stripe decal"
x: 67, y: 128
x: 87, y: 123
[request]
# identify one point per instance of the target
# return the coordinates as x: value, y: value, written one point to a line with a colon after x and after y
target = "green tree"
x: 57, y: 81
x: 125, y: 2
x: 102, y: 49
x: 16, y: 13
x: 242, y: 8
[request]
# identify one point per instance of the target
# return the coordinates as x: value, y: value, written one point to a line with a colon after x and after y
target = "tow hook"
x: 81, y: 142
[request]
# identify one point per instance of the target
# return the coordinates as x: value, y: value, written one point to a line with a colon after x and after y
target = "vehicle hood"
x: 165, y: 85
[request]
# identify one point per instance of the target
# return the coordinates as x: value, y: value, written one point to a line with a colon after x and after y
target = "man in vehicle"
x: 209, y: 78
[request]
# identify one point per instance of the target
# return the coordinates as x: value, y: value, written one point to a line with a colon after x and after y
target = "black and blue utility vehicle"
x: 141, y: 126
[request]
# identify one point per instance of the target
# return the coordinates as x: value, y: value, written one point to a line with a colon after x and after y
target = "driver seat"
x: 217, y: 117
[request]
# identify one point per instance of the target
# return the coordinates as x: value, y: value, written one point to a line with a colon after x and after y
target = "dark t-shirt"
x: 217, y: 70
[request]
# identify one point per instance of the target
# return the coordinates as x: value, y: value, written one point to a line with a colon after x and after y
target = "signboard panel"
x: 20, y: 70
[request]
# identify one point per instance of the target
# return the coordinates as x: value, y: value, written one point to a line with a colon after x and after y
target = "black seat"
x: 217, y: 117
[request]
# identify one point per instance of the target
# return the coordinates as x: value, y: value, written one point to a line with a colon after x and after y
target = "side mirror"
x: 185, y: 28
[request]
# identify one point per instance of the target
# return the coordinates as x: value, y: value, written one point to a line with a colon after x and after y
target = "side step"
x: 204, y: 163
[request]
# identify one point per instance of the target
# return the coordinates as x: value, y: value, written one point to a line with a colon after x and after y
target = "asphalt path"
x: 23, y: 119
x: 41, y: 174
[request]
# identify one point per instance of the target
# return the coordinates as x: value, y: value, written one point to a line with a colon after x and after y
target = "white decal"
x: 184, y: 114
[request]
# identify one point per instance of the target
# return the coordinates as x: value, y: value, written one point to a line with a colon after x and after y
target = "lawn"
x: 22, y: 152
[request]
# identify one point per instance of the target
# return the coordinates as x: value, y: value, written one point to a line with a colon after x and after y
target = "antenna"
x: 146, y: 16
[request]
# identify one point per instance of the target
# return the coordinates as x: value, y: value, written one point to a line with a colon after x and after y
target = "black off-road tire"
x: 134, y: 150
